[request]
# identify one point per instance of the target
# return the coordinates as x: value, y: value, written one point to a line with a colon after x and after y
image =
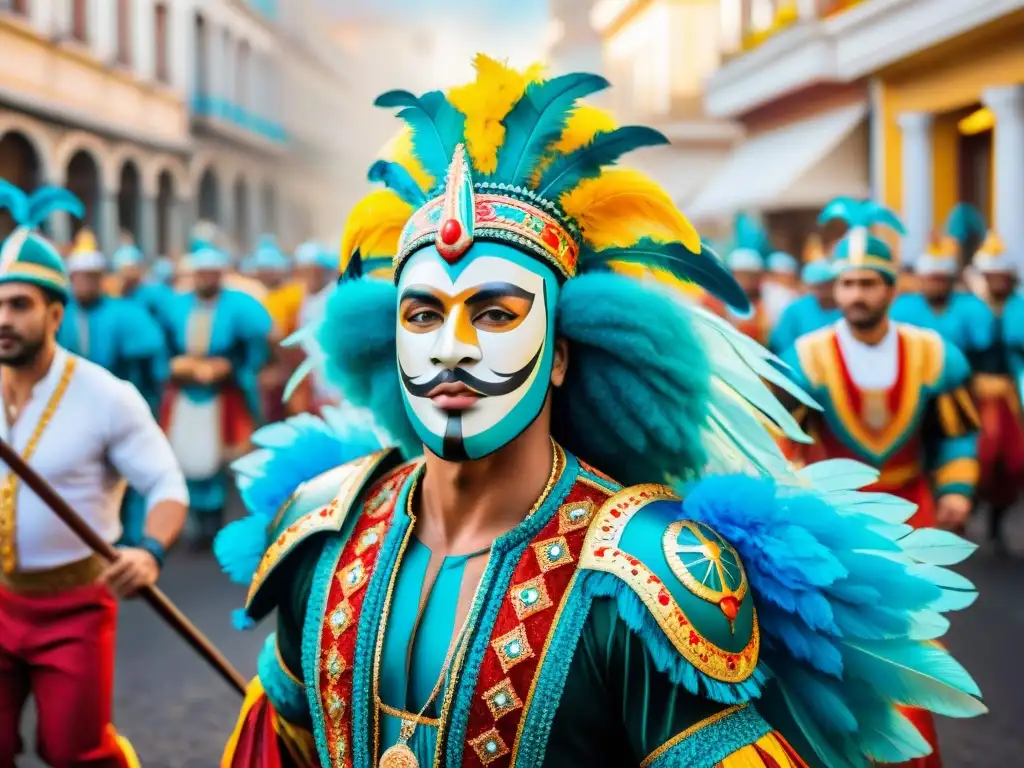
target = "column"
x: 42, y: 14
x: 143, y: 39
x: 182, y: 46
x: 60, y: 227
x: 211, y: 86
x: 227, y: 64
x: 147, y: 225
x: 179, y: 222
x: 226, y: 212
x: 106, y: 221
x: 257, y: 226
x: 103, y: 29
x: 1007, y: 104
x: 916, y: 129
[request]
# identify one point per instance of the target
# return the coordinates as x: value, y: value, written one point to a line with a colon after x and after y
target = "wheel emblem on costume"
x: 706, y: 564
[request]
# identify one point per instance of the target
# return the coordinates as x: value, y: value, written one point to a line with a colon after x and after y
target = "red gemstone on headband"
x: 451, y: 231
x: 550, y: 237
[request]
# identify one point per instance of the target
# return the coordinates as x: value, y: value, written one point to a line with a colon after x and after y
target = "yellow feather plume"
x: 622, y: 206
x: 485, y: 103
x: 992, y: 245
x: 399, y: 150
x: 85, y: 242
x: 583, y: 125
x: 374, y: 226
x: 814, y: 249
x: 660, y: 276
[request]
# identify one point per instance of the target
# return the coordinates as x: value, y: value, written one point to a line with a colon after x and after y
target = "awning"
x: 801, y: 165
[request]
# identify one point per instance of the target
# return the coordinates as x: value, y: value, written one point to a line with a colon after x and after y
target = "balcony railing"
x: 786, y: 16
x: 222, y: 109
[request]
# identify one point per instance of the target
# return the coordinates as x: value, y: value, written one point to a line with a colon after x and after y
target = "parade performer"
x: 150, y: 292
x: 746, y: 261
x: 483, y: 593
x: 998, y: 388
x: 958, y: 316
x: 317, y: 269
x: 780, y: 285
x: 815, y: 309
x: 212, y: 403
x: 892, y: 395
x: 82, y: 429
x: 284, y: 298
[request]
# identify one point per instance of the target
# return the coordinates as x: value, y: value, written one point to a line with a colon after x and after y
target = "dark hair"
x: 51, y: 296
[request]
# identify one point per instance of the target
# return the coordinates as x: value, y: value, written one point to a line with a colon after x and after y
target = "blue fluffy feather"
x: 287, y: 454
x: 437, y: 127
x: 860, y: 213
x: 31, y: 210
x: 398, y: 180
x: 843, y: 656
x: 748, y: 233
x: 567, y: 171
x: 537, y: 120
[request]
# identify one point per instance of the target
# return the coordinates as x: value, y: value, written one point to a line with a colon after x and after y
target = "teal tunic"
x: 801, y: 317
x: 237, y: 328
x: 617, y: 705
x: 966, y: 322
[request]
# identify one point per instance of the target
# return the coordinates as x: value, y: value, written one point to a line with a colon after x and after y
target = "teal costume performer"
x: 806, y: 314
x: 707, y: 607
x: 218, y: 347
x: 122, y: 336
x: 958, y: 316
x: 150, y: 292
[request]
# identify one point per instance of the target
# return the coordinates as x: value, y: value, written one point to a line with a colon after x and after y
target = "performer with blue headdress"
x: 212, y: 404
x: 999, y: 387
x: 477, y: 590
x: 780, y: 285
x: 746, y: 261
x: 149, y: 291
x: 957, y: 315
x: 316, y: 269
x: 816, y: 308
x: 892, y: 395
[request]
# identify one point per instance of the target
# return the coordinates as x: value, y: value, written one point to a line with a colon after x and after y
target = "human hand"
x: 202, y: 372
x: 183, y: 366
x: 133, y: 570
x: 219, y: 367
x: 952, y: 511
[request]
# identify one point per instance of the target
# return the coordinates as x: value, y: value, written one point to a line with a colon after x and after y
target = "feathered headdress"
x: 517, y: 159
x: 750, y: 246
x: 992, y: 256
x: 966, y: 226
x: 25, y: 255
x: 859, y: 249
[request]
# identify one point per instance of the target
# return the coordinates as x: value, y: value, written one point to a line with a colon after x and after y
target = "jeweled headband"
x: 467, y: 212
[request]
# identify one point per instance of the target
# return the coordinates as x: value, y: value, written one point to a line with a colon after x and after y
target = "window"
x: 202, y: 64
x: 160, y: 47
x: 15, y: 6
x: 124, y: 32
x: 80, y: 20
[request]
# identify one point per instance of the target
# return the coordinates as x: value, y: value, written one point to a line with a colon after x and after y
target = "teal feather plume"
x: 604, y: 149
x: 47, y: 200
x: 967, y: 226
x: 536, y: 121
x: 437, y: 127
x: 935, y: 547
x: 396, y: 178
x: 15, y: 201
x: 861, y: 213
x: 707, y: 272
x: 748, y: 233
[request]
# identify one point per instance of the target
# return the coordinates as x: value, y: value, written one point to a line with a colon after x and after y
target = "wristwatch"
x: 155, y: 548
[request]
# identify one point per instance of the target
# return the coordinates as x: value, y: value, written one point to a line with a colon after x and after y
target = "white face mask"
x: 475, y: 347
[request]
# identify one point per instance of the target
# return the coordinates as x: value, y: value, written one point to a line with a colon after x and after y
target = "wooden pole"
x: 167, y: 610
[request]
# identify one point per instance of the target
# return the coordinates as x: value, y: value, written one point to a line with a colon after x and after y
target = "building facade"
x: 156, y: 113
x: 916, y: 102
x: 657, y: 55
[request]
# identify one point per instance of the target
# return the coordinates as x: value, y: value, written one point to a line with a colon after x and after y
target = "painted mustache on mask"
x: 511, y: 383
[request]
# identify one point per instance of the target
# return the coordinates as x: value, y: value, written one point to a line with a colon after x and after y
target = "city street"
x: 178, y: 713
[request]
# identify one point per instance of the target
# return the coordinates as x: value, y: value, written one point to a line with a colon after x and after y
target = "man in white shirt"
x: 85, y: 432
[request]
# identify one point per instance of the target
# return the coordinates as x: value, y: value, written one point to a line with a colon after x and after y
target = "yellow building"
x: 918, y: 102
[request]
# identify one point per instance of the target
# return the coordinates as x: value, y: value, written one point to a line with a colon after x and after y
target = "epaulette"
x: 320, y: 505
x: 689, y: 579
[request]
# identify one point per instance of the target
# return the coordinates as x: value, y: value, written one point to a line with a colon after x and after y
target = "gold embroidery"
x: 530, y: 597
x: 712, y: 547
x: 601, y: 553
x: 512, y: 648
x: 334, y: 665
x: 9, y: 494
x: 552, y: 553
x: 335, y: 707
x: 575, y: 515
x: 489, y: 746
x: 410, y: 717
x: 352, y: 478
x: 684, y: 735
x: 340, y: 619
x: 370, y: 538
x: 352, y: 577
x: 502, y: 699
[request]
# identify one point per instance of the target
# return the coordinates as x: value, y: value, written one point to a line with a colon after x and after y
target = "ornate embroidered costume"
x: 709, y: 607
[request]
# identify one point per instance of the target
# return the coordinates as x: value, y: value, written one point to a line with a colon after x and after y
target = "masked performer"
x: 893, y: 396
x: 998, y: 388
x: 218, y: 348
x: 83, y: 430
x: 483, y: 593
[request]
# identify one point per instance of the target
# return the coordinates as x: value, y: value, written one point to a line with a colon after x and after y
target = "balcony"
x: 61, y: 80
x: 231, y: 121
x: 846, y: 40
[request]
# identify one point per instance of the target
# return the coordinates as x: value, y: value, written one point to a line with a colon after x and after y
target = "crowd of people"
x: 575, y: 513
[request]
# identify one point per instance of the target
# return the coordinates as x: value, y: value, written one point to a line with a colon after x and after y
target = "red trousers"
x: 1000, y: 451
x: 60, y: 649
